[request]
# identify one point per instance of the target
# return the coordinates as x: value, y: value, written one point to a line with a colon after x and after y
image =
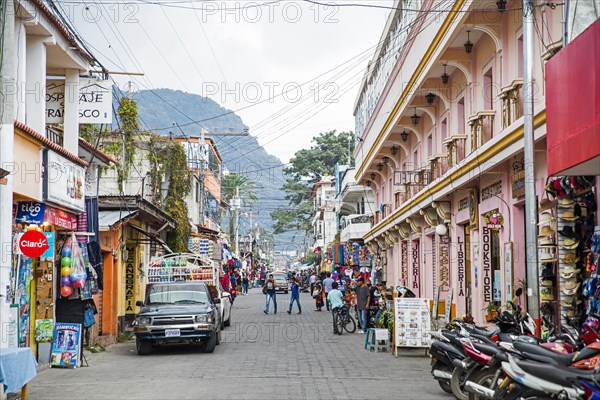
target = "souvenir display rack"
x: 181, y: 267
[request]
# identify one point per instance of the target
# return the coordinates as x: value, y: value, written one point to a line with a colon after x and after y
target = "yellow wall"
x: 28, y: 176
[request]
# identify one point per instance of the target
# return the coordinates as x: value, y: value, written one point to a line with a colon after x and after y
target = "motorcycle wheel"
x: 484, y: 378
x: 445, y: 385
x: 458, y: 375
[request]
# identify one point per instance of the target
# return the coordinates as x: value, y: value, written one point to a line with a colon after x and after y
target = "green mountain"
x: 169, y: 111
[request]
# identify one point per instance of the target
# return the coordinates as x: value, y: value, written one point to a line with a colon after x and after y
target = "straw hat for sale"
x: 547, y: 282
x: 546, y: 294
x: 571, y: 287
x: 570, y: 244
x: 546, y: 231
x: 570, y: 258
x: 546, y: 257
x: 570, y: 272
x: 568, y: 216
x: 546, y: 241
x: 545, y: 218
x: 570, y: 303
x: 565, y: 202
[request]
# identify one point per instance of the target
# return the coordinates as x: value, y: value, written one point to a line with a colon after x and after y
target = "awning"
x: 106, y: 219
x: 152, y: 236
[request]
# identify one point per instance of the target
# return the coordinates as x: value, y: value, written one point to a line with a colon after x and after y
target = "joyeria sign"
x: 33, y: 244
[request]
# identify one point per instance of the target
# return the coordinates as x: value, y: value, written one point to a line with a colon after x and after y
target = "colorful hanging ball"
x: 65, y: 261
x: 66, y: 281
x: 65, y: 271
x: 75, y: 275
x: 66, y: 291
x: 67, y: 251
x: 79, y: 283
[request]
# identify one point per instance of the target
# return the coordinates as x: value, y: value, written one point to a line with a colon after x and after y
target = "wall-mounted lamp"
x: 441, y: 229
x: 379, y: 167
x: 445, y: 76
x: 415, y: 118
x: 385, y: 159
x: 368, y: 183
x: 394, y: 150
x: 372, y: 176
x: 501, y: 5
x: 468, y: 43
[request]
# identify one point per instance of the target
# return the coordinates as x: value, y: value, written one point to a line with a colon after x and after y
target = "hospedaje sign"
x: 64, y: 181
x: 95, y: 101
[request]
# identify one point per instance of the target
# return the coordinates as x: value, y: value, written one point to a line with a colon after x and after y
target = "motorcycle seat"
x: 473, y: 329
x: 563, y: 376
x: 492, y: 350
x: 541, y: 354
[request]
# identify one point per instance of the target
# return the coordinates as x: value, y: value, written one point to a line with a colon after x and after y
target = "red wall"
x: 573, y: 102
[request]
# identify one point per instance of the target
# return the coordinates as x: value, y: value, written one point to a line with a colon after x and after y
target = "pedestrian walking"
x: 245, y: 283
x: 335, y: 298
x: 269, y: 291
x: 295, y: 297
x: 363, y: 298
x: 327, y: 286
x: 317, y: 294
x: 312, y: 280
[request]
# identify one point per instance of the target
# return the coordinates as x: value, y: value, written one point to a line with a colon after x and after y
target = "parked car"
x: 281, y: 281
x: 177, y: 312
x: 223, y: 301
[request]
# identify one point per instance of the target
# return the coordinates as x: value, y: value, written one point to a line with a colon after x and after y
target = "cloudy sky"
x: 291, y: 68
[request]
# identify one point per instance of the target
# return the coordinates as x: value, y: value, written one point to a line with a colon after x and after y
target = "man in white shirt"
x: 327, y: 286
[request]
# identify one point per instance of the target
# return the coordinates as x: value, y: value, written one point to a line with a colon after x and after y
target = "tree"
x: 175, y: 163
x: 307, y: 167
x: 230, y: 184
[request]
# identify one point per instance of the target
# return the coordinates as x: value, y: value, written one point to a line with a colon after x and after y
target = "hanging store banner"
x: 33, y: 244
x: 404, y: 261
x: 493, y: 219
x: 60, y: 218
x: 460, y: 265
x: 95, y: 101
x: 487, y: 265
x: 444, y: 263
x: 64, y: 181
x: 416, y: 267
x: 30, y: 212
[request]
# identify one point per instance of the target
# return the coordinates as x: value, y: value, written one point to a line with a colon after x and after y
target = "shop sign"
x: 460, y: 263
x: 434, y: 261
x: 95, y: 101
x: 129, y: 281
x: 66, y: 344
x: 33, y: 244
x: 518, y: 179
x: 64, y: 181
x: 463, y: 204
x: 60, y: 218
x: 487, y: 266
x: 448, y: 310
x: 493, y: 219
x: 415, y: 267
x: 444, y: 261
x: 30, y: 212
x: 492, y: 190
x: 508, y: 268
x: 473, y: 209
x: 49, y: 253
x: 436, y: 302
x: 404, y: 261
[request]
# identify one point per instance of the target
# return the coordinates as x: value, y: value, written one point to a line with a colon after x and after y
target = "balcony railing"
x: 455, y: 146
x: 482, y: 128
x: 54, y: 135
x: 511, y: 102
x: 439, y: 165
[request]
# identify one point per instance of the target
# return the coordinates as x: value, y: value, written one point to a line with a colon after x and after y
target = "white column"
x: 71, y: 121
x: 6, y: 160
x: 20, y: 65
x: 35, y: 84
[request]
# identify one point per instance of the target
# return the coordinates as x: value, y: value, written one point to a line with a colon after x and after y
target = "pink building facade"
x: 439, y: 117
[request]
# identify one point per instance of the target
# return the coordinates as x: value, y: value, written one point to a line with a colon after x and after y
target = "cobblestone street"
x: 261, y: 357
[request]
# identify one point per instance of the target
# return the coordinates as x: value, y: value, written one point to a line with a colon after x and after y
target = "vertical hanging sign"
x: 416, y: 267
x: 404, y: 262
x: 487, y: 266
x: 444, y: 263
x: 460, y: 264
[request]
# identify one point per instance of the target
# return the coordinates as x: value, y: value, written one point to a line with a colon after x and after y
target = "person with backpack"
x: 295, y: 296
x: 269, y: 290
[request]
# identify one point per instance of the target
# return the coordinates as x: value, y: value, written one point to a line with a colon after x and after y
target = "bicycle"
x: 344, y: 321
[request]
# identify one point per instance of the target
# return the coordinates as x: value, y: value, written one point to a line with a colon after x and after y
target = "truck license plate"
x: 172, y: 332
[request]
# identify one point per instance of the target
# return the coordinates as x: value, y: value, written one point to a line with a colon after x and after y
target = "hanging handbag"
x: 88, y: 318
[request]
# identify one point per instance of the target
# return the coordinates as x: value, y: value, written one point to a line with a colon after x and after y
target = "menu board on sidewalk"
x: 66, y: 345
x: 412, y: 322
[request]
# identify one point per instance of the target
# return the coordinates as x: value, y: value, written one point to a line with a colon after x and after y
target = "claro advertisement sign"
x: 64, y: 182
x: 95, y: 101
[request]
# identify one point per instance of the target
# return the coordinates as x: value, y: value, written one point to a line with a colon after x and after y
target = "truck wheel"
x: 210, y: 344
x: 218, y: 337
x: 228, y: 322
x: 143, y: 347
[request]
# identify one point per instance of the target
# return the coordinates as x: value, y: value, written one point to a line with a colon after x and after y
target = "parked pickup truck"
x: 177, y: 312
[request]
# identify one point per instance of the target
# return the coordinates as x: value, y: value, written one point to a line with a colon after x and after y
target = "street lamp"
x: 385, y: 159
x: 429, y: 97
x: 394, y: 150
x: 372, y: 176
x: 379, y: 167
x: 501, y: 5
x: 404, y: 135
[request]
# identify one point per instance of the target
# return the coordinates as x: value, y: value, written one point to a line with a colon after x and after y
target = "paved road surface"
x: 261, y: 357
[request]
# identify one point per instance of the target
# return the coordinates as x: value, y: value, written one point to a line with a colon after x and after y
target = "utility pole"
x: 202, y: 174
x: 529, y: 156
x: 7, y: 138
x: 237, y: 219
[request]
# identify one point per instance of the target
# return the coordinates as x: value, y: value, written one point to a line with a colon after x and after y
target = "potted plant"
x: 491, y: 311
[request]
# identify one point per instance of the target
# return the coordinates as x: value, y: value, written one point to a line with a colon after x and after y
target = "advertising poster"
x: 43, y: 330
x: 412, y: 322
x: 66, y: 345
